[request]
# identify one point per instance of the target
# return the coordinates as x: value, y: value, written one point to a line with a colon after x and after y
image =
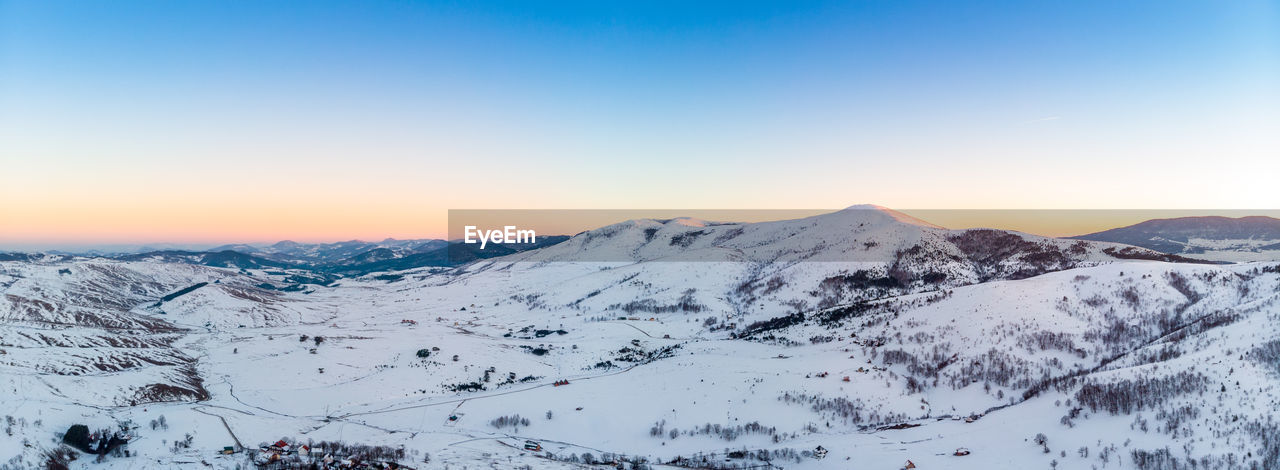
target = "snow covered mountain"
x: 863, y: 252
x: 1255, y: 238
x: 879, y: 338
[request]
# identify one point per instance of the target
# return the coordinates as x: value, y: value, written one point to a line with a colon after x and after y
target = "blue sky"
x: 354, y: 119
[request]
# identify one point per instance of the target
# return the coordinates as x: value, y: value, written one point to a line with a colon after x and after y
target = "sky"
x: 160, y: 121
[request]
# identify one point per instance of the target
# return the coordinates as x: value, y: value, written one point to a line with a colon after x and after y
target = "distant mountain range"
x: 1212, y: 238
x: 340, y: 253
x: 1215, y: 238
x: 350, y: 258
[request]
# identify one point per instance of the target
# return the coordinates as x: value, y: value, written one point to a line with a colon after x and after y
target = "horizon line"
x: 1020, y: 220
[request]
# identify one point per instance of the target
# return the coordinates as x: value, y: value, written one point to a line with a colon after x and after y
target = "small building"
x: 280, y: 446
x: 820, y: 452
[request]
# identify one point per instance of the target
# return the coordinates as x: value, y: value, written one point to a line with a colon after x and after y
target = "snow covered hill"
x: 1254, y: 238
x: 754, y: 270
x: 108, y: 333
x: 680, y: 343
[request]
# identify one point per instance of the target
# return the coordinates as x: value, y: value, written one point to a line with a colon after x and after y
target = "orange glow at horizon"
x: 72, y: 223
x: 179, y: 223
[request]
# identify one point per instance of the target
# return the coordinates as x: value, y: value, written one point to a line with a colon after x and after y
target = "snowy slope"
x: 708, y: 353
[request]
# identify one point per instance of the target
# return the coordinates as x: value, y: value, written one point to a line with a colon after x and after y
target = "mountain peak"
x: 688, y: 222
x: 893, y: 214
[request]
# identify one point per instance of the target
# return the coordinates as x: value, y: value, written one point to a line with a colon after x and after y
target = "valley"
x: 878, y: 338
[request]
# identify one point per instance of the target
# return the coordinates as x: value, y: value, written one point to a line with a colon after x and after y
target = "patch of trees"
x: 58, y: 458
x: 540, y: 350
x: 836, y: 316
x: 739, y: 459
x: 685, y: 304
x: 649, y: 233
x: 1047, y: 340
x: 928, y: 367
x: 181, y: 292
x: 726, y: 432
x: 536, y: 333
x: 514, y: 421
x: 859, y: 280
x: 465, y: 387
x: 1267, y: 354
x: 1183, y: 286
x: 1128, y: 396
x: 1131, y: 252
x: 1163, y: 459
x: 850, y: 412
x: 635, y: 353
x: 77, y: 436
x: 995, y: 366
x: 159, y: 423
x: 771, y: 324
x: 606, y: 458
x: 101, y: 443
x: 685, y: 239
x: 747, y: 290
x: 991, y: 251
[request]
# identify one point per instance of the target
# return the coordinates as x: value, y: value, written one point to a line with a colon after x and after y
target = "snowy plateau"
x: 862, y: 338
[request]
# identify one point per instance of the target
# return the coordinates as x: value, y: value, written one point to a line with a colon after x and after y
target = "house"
x: 909, y: 465
x: 280, y: 447
x: 819, y: 452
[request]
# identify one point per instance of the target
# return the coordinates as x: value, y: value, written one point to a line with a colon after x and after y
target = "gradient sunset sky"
x: 139, y: 122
